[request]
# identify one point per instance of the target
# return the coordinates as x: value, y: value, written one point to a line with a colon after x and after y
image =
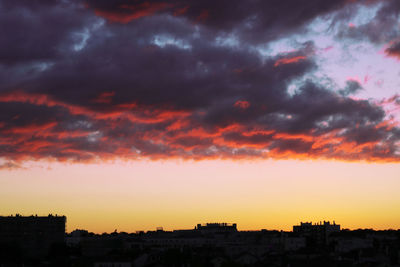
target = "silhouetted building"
x: 318, y: 232
x: 221, y: 244
x: 32, y: 235
x: 216, y: 227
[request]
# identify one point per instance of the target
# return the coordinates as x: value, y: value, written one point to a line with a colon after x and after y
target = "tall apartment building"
x: 33, y: 235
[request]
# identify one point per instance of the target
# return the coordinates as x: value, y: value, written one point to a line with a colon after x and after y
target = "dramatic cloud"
x: 394, y: 50
x: 381, y: 28
x: 352, y: 86
x: 99, y: 80
x: 254, y: 21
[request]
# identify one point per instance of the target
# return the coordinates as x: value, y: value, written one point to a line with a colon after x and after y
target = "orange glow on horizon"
x: 268, y: 194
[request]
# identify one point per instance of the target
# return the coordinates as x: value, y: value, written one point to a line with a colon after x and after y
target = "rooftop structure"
x: 309, y: 226
x: 216, y: 227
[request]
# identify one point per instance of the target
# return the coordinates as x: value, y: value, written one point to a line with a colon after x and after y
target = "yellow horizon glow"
x: 143, y: 195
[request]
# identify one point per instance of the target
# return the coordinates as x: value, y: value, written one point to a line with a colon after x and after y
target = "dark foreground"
x: 205, y: 245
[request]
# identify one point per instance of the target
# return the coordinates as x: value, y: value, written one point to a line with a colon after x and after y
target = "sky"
x: 131, y: 114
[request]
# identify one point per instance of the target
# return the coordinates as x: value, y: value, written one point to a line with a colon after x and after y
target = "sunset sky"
x: 131, y: 114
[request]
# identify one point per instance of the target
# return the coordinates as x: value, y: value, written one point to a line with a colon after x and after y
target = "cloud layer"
x: 89, y: 80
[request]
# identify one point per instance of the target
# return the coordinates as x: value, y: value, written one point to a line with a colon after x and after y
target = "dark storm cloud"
x: 298, y: 146
x: 38, y: 30
x: 253, y: 21
x: 393, y: 50
x: 314, y: 104
x: 381, y: 29
x: 352, y: 87
x: 130, y: 79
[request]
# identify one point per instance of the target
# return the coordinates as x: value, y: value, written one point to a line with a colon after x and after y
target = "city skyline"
x: 195, y: 226
x: 42, y: 240
x: 46, y: 221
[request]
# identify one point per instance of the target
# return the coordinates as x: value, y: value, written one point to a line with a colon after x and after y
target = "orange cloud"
x: 179, y: 124
x: 104, y: 98
x: 130, y: 130
x: 393, y: 49
x: 181, y: 11
x: 293, y: 136
x: 203, y: 16
x: 41, y: 100
x: 242, y: 104
x: 129, y: 111
x: 289, y: 60
x: 31, y: 129
x: 132, y: 12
